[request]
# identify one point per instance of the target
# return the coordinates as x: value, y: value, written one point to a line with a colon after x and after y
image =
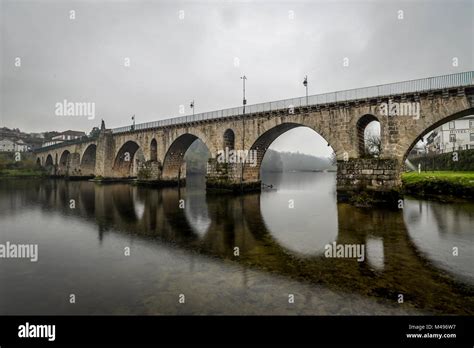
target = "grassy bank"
x: 24, y: 168
x: 439, y: 184
x: 21, y: 173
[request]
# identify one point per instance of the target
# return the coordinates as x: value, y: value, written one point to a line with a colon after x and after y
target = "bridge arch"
x: 128, y: 159
x: 49, y: 161
x: 153, y: 150
x: 173, y: 163
x: 64, y: 162
x: 417, y: 133
x: 263, y: 142
x: 88, y: 159
x: 229, y: 139
x: 361, y: 127
x: 49, y: 164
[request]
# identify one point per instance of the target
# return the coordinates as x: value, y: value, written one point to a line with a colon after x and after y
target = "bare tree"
x: 373, y: 146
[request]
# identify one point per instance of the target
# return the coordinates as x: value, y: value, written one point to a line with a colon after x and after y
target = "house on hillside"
x: 64, y: 136
x: 9, y: 145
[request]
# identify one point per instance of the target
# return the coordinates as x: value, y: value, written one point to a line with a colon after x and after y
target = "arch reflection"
x: 443, y: 234
x: 398, y: 259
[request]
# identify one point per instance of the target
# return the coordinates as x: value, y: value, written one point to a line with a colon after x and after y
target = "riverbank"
x: 23, y: 167
x: 440, y: 185
x: 22, y: 173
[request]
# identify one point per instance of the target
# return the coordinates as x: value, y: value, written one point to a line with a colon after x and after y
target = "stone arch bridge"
x: 154, y: 151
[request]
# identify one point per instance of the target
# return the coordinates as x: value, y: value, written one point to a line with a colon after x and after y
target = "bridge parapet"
x: 154, y: 152
x: 313, y: 102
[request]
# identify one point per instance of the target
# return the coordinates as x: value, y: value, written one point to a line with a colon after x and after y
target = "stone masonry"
x: 340, y: 124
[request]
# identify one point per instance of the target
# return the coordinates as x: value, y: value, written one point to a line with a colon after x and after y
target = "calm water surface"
x: 190, y: 251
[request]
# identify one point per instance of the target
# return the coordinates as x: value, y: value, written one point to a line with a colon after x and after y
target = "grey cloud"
x: 174, y: 61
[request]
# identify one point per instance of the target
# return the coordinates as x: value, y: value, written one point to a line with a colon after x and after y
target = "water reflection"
x: 175, y: 248
x: 375, y: 255
x: 443, y: 233
x: 197, y: 217
x: 303, y: 216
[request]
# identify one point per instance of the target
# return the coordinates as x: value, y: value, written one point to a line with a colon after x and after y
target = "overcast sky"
x: 176, y: 57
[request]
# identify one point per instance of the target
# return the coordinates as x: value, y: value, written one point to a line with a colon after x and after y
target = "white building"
x: 454, y: 135
x: 68, y: 135
x: 8, y: 145
x: 51, y: 142
x: 64, y: 136
x: 21, y: 146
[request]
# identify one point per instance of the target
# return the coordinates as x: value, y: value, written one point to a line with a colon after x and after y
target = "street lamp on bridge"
x: 192, y: 106
x: 244, y: 102
x: 305, y: 83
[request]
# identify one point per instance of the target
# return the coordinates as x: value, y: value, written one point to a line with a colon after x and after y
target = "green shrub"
x: 445, y: 161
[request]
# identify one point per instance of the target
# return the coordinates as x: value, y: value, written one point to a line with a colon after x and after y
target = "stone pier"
x: 369, y: 181
x: 229, y: 177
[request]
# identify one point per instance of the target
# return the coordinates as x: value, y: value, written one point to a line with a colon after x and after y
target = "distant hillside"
x: 290, y: 161
x: 197, y: 155
x: 15, y: 134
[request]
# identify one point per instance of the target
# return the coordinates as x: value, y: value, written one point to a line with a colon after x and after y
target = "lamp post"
x: 192, y: 106
x: 305, y: 83
x: 133, y: 122
x: 244, y: 102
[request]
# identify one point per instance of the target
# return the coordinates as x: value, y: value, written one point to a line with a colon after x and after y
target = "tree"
x: 373, y: 146
x: 272, y: 162
x: 94, y: 132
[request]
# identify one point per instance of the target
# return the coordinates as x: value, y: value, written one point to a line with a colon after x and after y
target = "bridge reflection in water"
x: 191, y: 250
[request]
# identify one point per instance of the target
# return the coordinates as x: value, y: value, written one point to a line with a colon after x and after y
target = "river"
x: 125, y: 249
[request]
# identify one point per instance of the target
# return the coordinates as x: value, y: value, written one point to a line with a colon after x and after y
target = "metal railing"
x: 413, y: 86
x: 84, y: 139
